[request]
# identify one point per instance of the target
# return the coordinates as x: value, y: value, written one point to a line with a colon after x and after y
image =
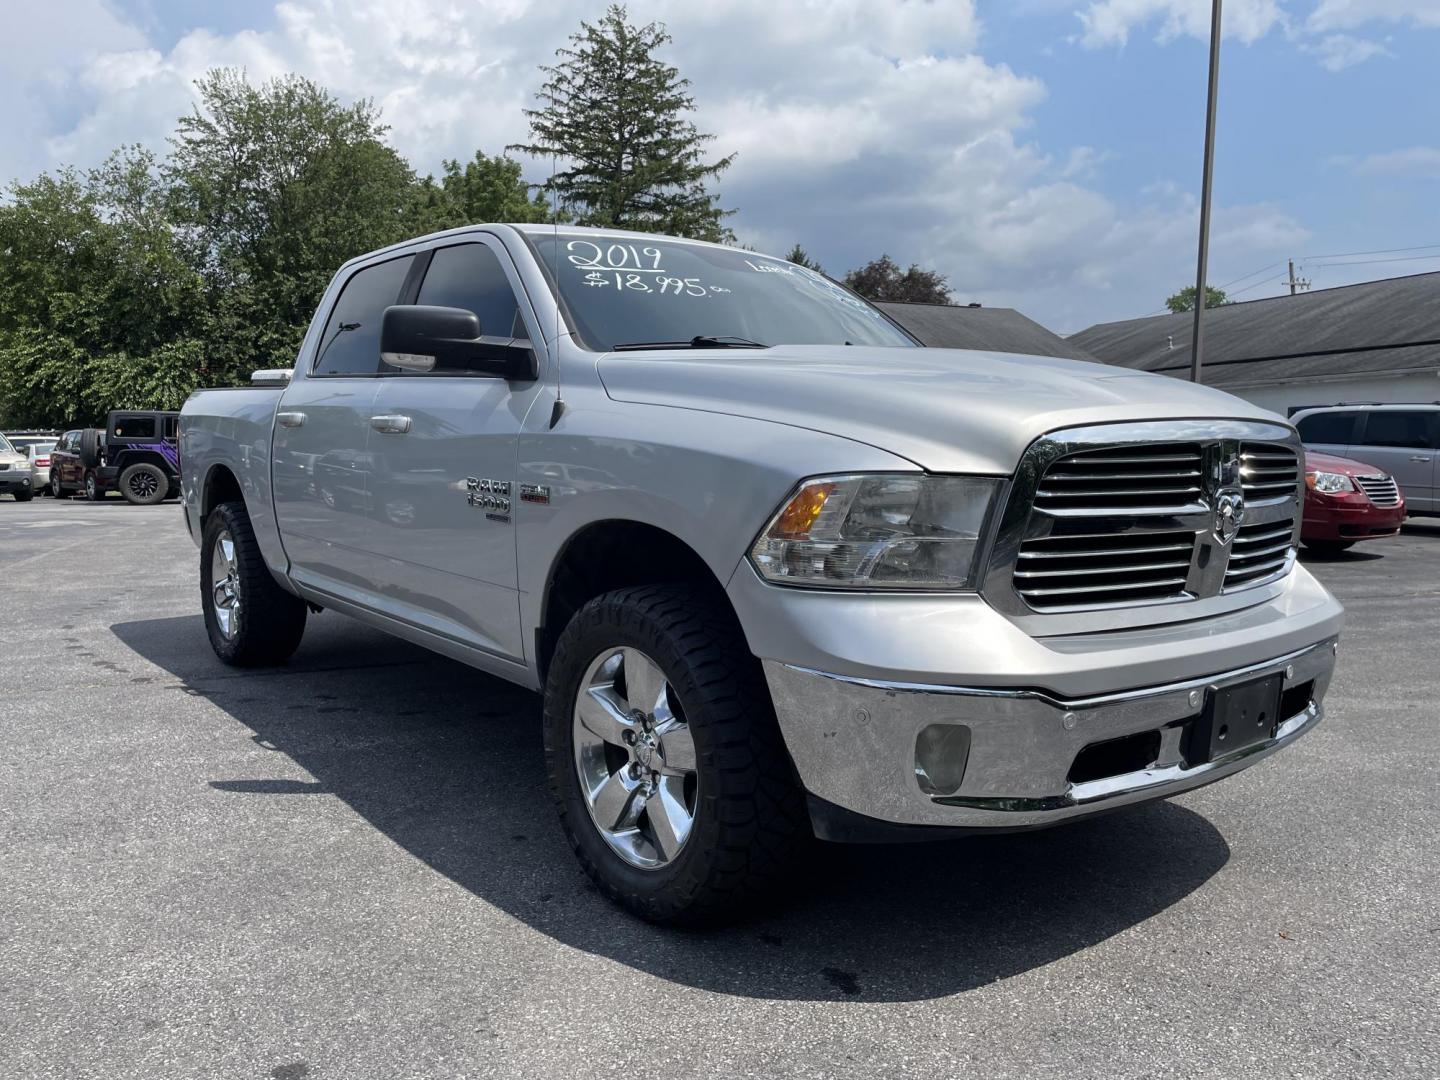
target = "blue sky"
x: 1044, y: 154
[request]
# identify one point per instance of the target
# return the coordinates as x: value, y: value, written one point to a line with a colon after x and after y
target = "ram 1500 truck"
x: 779, y: 572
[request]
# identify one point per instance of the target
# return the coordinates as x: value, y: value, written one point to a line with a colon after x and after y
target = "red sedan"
x: 1346, y: 501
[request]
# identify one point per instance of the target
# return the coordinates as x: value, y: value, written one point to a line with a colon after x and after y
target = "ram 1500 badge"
x: 779, y: 572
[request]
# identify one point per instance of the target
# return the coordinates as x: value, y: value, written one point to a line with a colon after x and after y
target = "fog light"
x: 941, y: 753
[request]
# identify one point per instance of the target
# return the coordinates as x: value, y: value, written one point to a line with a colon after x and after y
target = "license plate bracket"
x: 1235, y: 718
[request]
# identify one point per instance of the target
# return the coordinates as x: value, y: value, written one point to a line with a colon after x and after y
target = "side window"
x: 470, y: 276
x: 351, y: 342
x: 135, y: 427
x: 172, y: 427
x: 1329, y: 427
x: 1393, y: 427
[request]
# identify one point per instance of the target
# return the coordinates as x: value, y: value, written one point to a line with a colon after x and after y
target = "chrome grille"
x: 1136, y: 516
x: 1382, y: 489
x: 1113, y: 568
x: 1123, y: 478
x: 1257, y: 552
x: 1268, y: 471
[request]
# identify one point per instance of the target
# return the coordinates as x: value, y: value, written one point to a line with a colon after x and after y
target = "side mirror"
x: 417, y: 337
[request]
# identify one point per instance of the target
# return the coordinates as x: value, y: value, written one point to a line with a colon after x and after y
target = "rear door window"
x: 1399, y: 427
x: 1328, y: 427
x: 135, y: 427
x: 351, y: 342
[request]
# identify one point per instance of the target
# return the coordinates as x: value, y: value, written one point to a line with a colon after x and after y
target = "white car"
x: 16, y: 476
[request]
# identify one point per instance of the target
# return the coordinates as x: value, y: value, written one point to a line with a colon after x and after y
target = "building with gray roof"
x: 951, y: 326
x: 1376, y: 341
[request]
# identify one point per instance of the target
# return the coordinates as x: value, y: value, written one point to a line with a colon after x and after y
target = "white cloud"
x: 1421, y: 161
x: 1349, y: 14
x: 859, y: 131
x: 1340, y: 51
x: 1109, y: 22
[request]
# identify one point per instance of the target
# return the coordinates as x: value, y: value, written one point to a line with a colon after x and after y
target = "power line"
x: 1377, y: 262
x: 1258, y: 284
x: 1246, y: 277
x: 1381, y: 251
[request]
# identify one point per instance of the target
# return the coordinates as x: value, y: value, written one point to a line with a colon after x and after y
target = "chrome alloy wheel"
x: 225, y: 585
x: 635, y: 758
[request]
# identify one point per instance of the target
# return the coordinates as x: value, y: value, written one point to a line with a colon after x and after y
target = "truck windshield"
x: 624, y: 291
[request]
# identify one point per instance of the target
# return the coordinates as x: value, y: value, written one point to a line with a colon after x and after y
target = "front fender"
x: 710, y: 480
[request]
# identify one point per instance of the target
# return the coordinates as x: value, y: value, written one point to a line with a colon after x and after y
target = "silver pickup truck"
x: 779, y: 572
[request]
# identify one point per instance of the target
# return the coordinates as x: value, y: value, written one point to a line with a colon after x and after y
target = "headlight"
x: 1329, y: 483
x: 907, y: 531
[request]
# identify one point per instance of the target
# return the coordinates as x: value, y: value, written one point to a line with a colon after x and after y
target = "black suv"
x: 134, y: 454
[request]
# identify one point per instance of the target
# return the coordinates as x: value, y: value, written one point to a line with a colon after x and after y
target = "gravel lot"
x: 349, y: 868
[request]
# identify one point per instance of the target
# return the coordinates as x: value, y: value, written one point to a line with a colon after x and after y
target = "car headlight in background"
x: 878, y: 531
x: 1329, y: 483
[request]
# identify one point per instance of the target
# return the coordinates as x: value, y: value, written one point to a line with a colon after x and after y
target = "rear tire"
x: 92, y: 488
x: 250, y: 619
x: 57, y: 490
x: 744, y: 820
x: 144, y: 484
x: 1329, y: 547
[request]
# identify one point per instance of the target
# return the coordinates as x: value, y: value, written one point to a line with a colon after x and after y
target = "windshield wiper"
x: 699, y: 341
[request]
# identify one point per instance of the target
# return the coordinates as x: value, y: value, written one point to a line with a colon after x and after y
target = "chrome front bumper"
x: 853, y: 741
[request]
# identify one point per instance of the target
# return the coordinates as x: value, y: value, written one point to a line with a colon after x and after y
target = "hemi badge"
x: 535, y: 493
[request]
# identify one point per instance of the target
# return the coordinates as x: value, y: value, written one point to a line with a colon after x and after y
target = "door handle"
x: 1417, y: 457
x: 390, y: 425
x: 290, y: 419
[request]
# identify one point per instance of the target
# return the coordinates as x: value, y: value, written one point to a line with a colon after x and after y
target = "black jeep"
x: 135, y: 454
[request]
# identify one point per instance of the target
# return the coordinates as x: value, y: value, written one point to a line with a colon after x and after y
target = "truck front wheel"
x: 665, y: 759
x: 251, y: 620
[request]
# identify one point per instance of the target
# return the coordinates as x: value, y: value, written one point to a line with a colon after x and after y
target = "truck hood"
x: 947, y: 410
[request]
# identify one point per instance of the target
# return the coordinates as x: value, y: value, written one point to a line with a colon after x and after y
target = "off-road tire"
x: 135, y: 473
x: 272, y: 620
x: 751, y: 831
x: 1329, y: 547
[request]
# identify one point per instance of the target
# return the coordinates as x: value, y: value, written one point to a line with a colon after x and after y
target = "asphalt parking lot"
x: 349, y: 868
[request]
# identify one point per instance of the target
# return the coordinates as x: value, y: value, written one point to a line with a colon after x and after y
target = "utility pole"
x: 1197, y: 339
x: 1296, y: 283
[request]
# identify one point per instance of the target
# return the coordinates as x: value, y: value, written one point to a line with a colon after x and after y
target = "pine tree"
x: 800, y: 257
x: 616, y: 116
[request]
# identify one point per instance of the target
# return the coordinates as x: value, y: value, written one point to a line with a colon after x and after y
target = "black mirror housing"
x: 421, y: 338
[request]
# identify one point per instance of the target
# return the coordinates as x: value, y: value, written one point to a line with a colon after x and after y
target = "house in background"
x: 1378, y: 341
x: 949, y: 326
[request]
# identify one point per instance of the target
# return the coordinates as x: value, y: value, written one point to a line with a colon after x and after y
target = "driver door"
x: 440, y: 442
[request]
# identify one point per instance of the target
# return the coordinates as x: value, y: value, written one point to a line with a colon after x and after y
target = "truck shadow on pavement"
x: 446, y: 762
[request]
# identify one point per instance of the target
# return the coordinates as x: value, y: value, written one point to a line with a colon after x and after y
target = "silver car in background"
x: 16, y: 476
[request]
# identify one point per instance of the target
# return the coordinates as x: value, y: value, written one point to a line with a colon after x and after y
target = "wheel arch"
x: 221, y: 485
x: 610, y: 554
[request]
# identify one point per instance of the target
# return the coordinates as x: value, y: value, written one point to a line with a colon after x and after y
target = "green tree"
x: 99, y: 306
x: 882, y: 279
x: 483, y: 189
x: 1184, y: 300
x: 274, y: 187
x: 800, y: 257
x: 616, y: 115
